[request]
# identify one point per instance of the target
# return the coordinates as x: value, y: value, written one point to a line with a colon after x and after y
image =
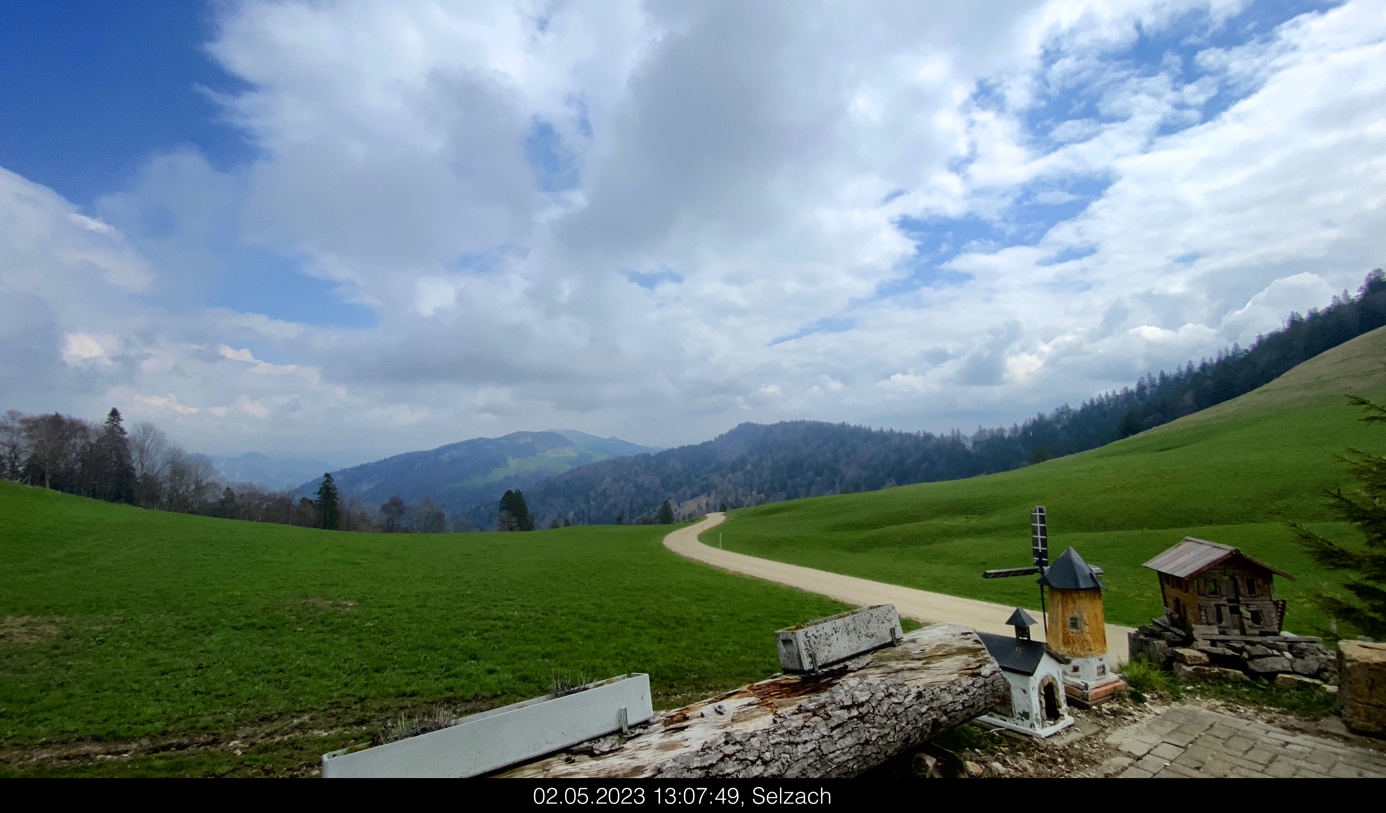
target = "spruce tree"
x: 514, y: 514
x: 522, y: 514
x: 116, y: 472
x: 326, y: 503
x: 1366, y: 509
x: 666, y: 514
x: 506, y: 519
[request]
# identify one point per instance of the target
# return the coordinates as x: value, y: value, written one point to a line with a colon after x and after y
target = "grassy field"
x: 135, y: 642
x: 1231, y: 474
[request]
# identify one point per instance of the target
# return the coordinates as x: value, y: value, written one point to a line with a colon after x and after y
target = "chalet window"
x: 1250, y: 586
x: 1212, y: 588
x: 1256, y: 617
x: 1219, y: 609
x: 1202, y: 614
x: 1075, y: 622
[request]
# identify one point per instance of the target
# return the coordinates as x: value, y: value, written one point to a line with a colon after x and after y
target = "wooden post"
x: 839, y: 722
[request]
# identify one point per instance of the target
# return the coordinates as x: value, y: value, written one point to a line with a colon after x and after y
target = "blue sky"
x: 93, y: 88
x: 272, y: 225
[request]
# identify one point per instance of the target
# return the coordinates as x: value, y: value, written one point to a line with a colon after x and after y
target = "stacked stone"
x: 1283, y: 659
x: 1155, y: 642
x: 1288, y: 662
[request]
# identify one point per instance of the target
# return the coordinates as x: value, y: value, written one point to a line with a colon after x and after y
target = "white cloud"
x: 169, y: 402
x: 81, y: 347
x: 763, y: 156
x: 91, y: 224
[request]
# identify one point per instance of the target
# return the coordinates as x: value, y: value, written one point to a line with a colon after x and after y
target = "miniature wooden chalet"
x: 1077, y: 629
x: 1034, y: 671
x: 1216, y: 589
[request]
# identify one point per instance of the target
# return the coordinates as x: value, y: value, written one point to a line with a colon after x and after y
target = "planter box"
x: 493, y: 739
x: 811, y: 646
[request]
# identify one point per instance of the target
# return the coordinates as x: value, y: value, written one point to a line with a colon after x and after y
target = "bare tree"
x: 392, y: 513
x: 54, y: 443
x: 148, y: 450
x: 12, y: 450
x: 356, y: 514
x: 202, y: 482
x: 427, y: 517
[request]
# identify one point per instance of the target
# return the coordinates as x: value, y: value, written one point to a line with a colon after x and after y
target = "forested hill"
x: 754, y: 464
x: 750, y: 465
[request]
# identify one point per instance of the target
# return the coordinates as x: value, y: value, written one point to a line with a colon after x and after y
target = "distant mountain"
x: 750, y: 465
x: 253, y: 467
x: 611, y: 447
x: 468, y: 478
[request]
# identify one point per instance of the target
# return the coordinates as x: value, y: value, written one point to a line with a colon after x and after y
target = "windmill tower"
x: 1074, y: 622
x: 1077, y: 627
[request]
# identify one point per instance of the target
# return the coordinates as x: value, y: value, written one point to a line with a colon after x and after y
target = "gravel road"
x: 919, y: 605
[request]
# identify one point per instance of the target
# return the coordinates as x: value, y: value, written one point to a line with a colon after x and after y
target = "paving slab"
x: 1189, y: 741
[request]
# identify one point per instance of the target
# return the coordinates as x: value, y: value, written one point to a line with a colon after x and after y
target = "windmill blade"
x: 1010, y: 571
x: 1039, y: 537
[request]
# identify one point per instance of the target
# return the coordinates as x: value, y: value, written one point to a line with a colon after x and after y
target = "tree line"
x: 145, y: 468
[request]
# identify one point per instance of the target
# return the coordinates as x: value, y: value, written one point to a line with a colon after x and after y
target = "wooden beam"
x: 838, y: 722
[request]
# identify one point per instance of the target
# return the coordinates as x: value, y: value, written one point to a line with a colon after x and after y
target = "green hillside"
x: 1231, y: 474
x: 186, y: 639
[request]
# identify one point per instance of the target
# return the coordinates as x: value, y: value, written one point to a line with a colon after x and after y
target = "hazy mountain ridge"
x: 467, y: 478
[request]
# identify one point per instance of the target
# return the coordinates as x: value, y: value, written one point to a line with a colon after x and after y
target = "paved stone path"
x: 1194, y: 742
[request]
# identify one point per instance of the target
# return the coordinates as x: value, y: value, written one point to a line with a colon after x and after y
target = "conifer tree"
x: 514, y: 514
x: 327, y: 501
x: 666, y: 514
x: 116, y: 472
x: 1366, y: 509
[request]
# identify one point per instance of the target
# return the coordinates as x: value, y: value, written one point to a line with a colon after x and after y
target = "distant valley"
x: 272, y: 472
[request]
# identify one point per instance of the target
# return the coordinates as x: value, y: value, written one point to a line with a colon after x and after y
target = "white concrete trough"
x: 813, y: 645
x: 491, y: 740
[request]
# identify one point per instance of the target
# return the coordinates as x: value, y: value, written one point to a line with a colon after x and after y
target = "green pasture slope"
x: 212, y: 647
x: 1231, y: 474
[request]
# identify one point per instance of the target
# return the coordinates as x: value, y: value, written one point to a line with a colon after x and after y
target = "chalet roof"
x: 1020, y: 618
x: 1070, y: 572
x: 1018, y: 655
x: 1196, y: 555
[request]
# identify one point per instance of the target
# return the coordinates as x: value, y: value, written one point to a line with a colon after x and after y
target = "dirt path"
x: 917, y: 604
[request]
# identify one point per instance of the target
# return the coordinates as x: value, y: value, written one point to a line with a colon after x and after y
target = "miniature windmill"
x: 1075, y: 615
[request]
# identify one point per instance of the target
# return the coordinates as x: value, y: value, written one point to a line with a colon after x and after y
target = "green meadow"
x: 141, y: 643
x: 1232, y: 474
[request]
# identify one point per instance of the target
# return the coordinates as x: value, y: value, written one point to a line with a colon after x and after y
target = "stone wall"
x: 1173, y: 649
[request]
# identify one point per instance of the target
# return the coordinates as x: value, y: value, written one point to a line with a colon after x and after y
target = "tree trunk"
x: 839, y: 722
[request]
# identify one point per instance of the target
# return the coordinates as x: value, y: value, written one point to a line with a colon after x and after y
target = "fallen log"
x: 838, y: 722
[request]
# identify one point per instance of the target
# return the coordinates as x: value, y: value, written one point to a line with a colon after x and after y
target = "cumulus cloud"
x: 656, y: 220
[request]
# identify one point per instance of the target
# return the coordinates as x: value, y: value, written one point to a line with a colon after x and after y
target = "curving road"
x: 920, y: 605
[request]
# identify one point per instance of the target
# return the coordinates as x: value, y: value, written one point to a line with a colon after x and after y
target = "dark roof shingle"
x: 1016, y: 655
x: 1070, y: 572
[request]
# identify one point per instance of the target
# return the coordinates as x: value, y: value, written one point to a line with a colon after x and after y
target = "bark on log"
x: 839, y: 722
